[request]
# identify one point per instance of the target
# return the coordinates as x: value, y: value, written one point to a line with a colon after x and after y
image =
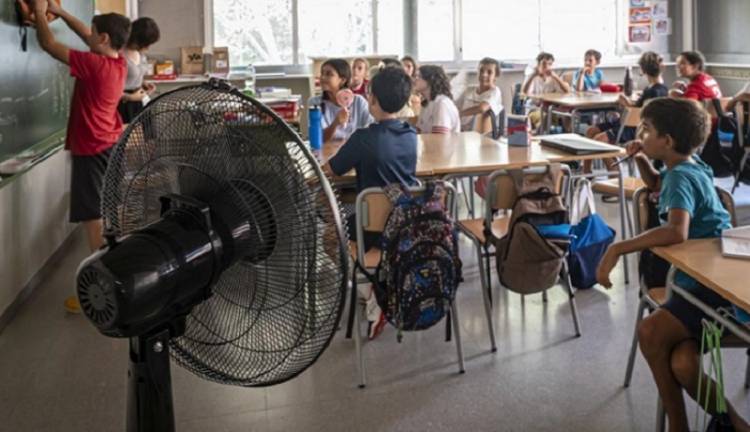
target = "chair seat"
x: 372, y: 256
x: 475, y: 228
x: 610, y: 187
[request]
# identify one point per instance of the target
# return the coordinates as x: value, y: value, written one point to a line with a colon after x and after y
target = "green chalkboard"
x: 35, y: 89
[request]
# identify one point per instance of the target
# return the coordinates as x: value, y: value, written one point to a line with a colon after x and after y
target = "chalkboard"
x: 35, y: 89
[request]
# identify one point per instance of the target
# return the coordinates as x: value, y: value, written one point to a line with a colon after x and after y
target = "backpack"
x: 419, y: 269
x: 724, y: 160
x: 527, y: 261
x: 590, y: 237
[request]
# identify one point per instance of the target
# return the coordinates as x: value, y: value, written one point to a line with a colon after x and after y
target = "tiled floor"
x: 58, y: 374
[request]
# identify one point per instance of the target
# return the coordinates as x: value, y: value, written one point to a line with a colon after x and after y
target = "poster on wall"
x: 640, y: 15
x: 639, y: 34
x: 660, y: 10
x: 662, y: 27
x: 637, y: 3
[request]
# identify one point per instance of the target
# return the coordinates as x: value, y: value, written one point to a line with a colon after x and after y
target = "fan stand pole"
x: 150, y: 407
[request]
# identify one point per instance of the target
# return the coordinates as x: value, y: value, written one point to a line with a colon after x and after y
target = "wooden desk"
x: 574, y: 103
x: 702, y: 260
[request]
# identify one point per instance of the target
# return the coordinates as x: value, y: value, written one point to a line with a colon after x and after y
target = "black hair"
x: 695, y: 58
x: 650, y: 63
x: 343, y: 70
x: 593, y: 53
x: 437, y: 80
x: 116, y: 26
x: 490, y: 61
x: 544, y: 56
x: 392, y: 88
x: 685, y: 120
x: 143, y: 33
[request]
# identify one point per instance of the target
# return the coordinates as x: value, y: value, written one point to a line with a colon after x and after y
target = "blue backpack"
x: 419, y: 269
x: 590, y: 237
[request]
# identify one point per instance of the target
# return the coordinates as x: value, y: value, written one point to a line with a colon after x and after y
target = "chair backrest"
x: 640, y: 207
x: 505, y: 191
x: 373, y: 206
x: 631, y: 117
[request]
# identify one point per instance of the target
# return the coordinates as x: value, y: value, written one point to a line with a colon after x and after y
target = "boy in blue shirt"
x: 589, y: 77
x: 385, y: 152
x: 689, y: 207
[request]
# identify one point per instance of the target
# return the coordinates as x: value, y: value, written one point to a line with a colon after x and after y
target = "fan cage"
x: 266, y: 321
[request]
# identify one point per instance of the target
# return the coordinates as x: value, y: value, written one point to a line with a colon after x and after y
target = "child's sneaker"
x: 72, y: 305
x: 376, y: 327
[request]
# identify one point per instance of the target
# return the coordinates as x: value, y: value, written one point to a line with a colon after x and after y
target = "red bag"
x: 606, y: 87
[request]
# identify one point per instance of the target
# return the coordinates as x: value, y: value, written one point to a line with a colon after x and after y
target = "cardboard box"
x: 150, y: 67
x: 191, y: 60
x: 220, y: 62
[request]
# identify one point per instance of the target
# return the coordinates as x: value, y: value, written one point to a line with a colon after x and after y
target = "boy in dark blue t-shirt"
x: 386, y: 151
x: 689, y: 207
x: 383, y: 153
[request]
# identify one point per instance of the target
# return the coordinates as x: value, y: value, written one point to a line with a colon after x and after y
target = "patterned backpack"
x: 419, y: 270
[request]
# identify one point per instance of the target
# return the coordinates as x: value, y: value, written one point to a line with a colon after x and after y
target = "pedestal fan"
x: 224, y: 248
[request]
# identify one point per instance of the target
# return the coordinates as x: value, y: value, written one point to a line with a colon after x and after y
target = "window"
x: 333, y: 27
x: 568, y: 30
x: 261, y: 34
x: 435, y: 30
x: 488, y: 30
x: 390, y: 27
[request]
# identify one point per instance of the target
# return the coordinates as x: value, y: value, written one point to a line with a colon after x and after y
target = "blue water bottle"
x: 315, y: 129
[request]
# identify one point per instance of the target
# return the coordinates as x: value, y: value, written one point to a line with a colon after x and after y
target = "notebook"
x: 576, y: 144
x: 735, y: 242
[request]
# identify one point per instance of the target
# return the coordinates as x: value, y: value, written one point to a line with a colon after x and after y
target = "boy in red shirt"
x: 94, y: 124
x: 702, y: 86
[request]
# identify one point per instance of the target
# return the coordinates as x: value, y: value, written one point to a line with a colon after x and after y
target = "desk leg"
x: 548, y: 118
x: 623, y: 223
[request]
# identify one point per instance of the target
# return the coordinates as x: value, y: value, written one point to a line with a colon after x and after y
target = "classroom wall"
x: 723, y: 30
x: 180, y: 22
x: 33, y: 223
x: 107, y: 6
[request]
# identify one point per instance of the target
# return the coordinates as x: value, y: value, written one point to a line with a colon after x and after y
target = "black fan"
x: 224, y: 247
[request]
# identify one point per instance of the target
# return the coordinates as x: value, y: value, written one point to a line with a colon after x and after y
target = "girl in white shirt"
x: 474, y: 102
x: 439, y: 113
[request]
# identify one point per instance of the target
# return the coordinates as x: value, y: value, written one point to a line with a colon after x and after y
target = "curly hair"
x: 437, y: 80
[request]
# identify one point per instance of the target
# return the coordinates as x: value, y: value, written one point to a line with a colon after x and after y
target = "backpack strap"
x: 525, y: 184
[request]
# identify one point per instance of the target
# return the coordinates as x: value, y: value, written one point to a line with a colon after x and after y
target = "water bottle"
x: 627, y: 86
x: 250, y: 81
x: 315, y: 128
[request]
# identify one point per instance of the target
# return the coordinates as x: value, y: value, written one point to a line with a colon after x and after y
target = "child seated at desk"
x: 439, y: 114
x: 651, y: 66
x: 702, y: 86
x: 475, y: 102
x: 385, y: 152
x: 589, y: 78
x: 540, y: 81
x: 360, y: 67
x: 339, y: 122
x: 689, y: 207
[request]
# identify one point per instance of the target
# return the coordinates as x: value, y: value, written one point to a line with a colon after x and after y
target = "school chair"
x: 373, y: 209
x: 631, y: 117
x: 652, y: 298
x: 501, y: 196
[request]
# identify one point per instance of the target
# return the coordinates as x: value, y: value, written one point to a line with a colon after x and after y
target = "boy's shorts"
x: 688, y: 314
x: 86, y: 181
